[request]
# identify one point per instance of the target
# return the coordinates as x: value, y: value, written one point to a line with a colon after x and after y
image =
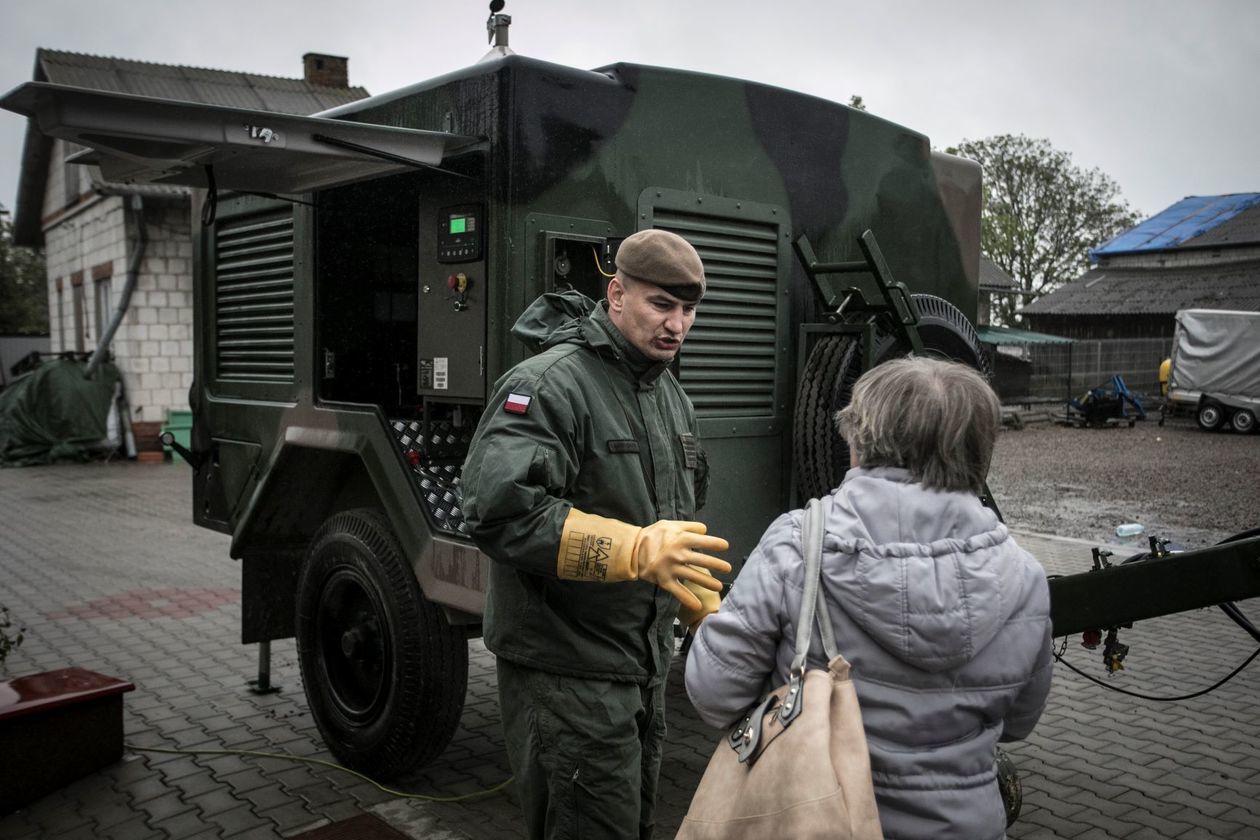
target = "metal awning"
x: 140, y: 139
x: 1011, y: 335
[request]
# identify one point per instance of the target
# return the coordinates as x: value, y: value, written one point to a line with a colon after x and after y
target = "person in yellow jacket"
x: 581, y: 484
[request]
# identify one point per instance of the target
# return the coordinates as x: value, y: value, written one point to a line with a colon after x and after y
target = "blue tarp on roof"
x: 1188, y: 218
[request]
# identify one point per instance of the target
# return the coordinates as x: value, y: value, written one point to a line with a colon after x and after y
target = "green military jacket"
x: 589, y: 423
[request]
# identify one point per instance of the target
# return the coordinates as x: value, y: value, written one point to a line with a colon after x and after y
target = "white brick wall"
x: 157, y: 312
x: 79, y: 241
x: 153, y: 345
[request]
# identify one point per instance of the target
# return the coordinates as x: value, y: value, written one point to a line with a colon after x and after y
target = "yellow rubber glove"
x: 666, y: 553
x: 709, y: 603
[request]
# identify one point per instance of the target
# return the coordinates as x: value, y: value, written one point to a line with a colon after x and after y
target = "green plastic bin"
x: 179, y: 424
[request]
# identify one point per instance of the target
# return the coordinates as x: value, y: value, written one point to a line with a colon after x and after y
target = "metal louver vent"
x: 253, y: 298
x: 727, y: 364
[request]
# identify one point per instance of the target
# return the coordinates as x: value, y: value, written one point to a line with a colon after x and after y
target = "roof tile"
x: 1155, y: 291
x: 1243, y: 229
x: 193, y: 84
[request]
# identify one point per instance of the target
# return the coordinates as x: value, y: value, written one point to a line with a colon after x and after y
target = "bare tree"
x: 1041, y: 214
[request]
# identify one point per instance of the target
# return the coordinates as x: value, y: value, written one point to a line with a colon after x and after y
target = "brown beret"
x: 663, y: 259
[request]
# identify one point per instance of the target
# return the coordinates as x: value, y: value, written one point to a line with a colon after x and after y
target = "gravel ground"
x: 1179, y: 482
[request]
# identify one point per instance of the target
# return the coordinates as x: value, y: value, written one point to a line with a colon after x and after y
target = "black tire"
x: 385, y: 673
x: 1210, y: 416
x: 946, y: 334
x: 1243, y: 421
x: 821, y: 455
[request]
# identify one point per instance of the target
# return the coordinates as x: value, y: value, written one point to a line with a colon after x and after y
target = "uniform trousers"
x: 586, y: 753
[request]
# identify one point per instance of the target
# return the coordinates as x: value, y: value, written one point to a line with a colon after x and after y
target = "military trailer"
x: 358, y: 272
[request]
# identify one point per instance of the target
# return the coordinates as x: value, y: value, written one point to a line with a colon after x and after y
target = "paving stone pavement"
x: 101, y: 564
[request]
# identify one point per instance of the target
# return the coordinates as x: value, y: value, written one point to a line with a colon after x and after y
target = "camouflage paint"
x: 578, y: 152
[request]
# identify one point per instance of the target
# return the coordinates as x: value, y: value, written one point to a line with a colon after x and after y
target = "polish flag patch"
x: 517, y: 403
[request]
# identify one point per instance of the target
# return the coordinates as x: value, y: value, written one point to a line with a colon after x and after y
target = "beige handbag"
x: 797, y: 766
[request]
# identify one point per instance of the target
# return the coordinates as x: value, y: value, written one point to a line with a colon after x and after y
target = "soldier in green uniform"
x: 580, y: 485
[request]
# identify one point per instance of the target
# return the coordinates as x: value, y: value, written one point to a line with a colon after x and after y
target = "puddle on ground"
x: 1069, y: 516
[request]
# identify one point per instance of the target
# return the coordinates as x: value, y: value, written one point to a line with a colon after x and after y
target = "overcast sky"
x: 1162, y: 96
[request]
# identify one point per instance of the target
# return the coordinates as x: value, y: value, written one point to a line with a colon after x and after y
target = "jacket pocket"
x: 693, y: 475
x: 542, y: 468
x: 690, y: 450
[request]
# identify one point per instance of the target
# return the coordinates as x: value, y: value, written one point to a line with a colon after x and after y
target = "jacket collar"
x: 900, y: 475
x: 644, y: 369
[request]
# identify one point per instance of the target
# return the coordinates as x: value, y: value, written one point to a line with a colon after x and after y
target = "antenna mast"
x: 497, y: 30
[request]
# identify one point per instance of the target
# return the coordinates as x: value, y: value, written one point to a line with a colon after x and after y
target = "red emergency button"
x: 457, y: 282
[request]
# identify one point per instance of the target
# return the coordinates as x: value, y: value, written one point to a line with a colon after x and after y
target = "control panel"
x: 451, y: 313
x: 459, y: 234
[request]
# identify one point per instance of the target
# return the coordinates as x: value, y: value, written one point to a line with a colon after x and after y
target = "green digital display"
x: 458, y: 234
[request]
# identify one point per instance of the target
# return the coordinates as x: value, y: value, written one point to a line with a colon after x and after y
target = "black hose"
x: 1181, y: 697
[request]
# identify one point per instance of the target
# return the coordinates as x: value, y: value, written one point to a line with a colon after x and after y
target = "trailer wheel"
x: 821, y: 455
x: 384, y: 672
x: 1210, y: 416
x: 1243, y: 421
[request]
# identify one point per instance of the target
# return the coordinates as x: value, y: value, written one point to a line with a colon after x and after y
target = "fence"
x: 1040, y: 372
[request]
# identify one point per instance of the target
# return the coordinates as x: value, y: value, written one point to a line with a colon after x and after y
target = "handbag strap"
x: 824, y: 620
x: 812, y: 601
x: 746, y: 737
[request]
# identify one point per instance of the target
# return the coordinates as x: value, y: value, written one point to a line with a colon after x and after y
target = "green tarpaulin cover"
x: 53, y: 413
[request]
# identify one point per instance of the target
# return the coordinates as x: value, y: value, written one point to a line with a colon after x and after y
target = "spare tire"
x: 820, y: 454
x: 946, y: 334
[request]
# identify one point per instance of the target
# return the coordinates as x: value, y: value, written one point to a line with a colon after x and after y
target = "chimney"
x: 326, y: 70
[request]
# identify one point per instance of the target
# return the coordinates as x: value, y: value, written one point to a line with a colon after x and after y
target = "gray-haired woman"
x: 945, y: 620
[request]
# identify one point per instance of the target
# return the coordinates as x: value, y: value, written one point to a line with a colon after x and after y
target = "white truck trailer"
x: 1215, y: 369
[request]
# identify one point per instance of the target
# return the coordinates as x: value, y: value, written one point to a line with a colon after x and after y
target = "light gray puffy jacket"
x: 945, y: 620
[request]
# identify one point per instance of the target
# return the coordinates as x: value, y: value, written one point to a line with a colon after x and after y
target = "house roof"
x: 1195, y: 221
x: 993, y: 278
x: 192, y: 84
x: 1155, y: 291
x: 166, y: 81
x: 1243, y: 229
